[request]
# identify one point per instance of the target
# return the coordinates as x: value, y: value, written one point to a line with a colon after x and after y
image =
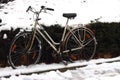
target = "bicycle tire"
x: 17, y: 55
x: 88, y: 47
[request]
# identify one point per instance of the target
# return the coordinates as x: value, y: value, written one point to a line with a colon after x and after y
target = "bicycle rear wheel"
x: 81, y: 44
x: 19, y: 54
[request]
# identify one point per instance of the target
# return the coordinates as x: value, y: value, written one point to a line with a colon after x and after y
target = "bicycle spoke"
x: 88, y: 42
x: 76, y: 38
x: 81, y: 35
x: 16, y: 57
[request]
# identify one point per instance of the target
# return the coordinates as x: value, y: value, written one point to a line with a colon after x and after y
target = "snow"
x: 93, y: 71
x: 14, y: 15
x: 43, y: 67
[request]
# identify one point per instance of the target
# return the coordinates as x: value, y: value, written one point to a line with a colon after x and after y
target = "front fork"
x: 30, y: 42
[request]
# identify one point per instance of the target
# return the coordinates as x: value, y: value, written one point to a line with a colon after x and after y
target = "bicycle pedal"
x: 65, y: 62
x: 70, y: 60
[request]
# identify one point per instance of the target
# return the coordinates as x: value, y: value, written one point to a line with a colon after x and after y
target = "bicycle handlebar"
x: 42, y: 8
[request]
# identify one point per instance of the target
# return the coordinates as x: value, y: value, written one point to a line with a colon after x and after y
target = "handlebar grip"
x: 44, y: 7
x: 28, y: 8
x: 50, y: 9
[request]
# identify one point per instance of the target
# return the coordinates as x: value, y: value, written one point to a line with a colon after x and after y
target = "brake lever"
x: 45, y: 11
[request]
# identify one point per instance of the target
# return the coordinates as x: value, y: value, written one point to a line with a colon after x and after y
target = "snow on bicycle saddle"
x: 69, y: 15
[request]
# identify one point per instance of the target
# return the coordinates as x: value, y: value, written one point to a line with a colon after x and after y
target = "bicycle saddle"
x: 69, y: 15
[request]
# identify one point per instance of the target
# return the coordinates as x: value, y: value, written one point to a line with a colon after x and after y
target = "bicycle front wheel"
x: 18, y: 53
x: 80, y: 44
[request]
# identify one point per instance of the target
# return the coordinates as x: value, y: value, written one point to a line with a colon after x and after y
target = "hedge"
x: 107, y: 35
x: 5, y: 1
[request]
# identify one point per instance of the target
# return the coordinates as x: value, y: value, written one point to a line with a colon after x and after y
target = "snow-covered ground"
x: 104, y: 71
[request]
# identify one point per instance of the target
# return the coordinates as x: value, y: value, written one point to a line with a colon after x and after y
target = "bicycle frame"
x: 48, y: 38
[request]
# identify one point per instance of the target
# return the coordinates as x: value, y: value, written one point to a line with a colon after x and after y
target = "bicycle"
x: 76, y: 43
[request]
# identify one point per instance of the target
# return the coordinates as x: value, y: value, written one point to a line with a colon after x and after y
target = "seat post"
x: 66, y: 25
x: 67, y: 22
